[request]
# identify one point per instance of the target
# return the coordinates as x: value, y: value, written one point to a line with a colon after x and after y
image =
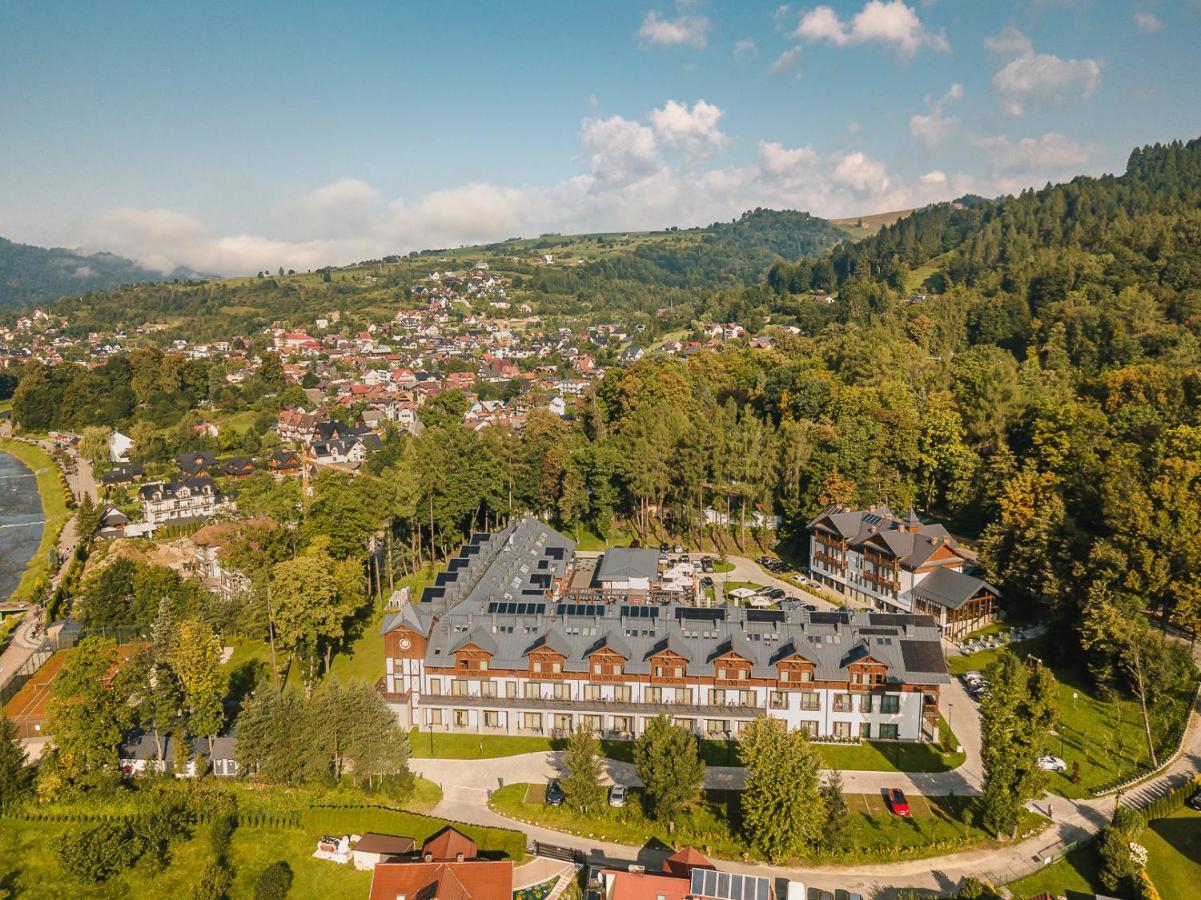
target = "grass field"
x: 29, y: 865
x: 1074, y: 877
x: 1174, y: 853
x: 54, y: 510
x: 872, y: 832
x: 865, y: 226
x: 1105, y: 737
x: 364, y: 659
x: 869, y: 756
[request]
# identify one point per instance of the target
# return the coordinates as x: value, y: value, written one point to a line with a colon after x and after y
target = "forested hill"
x: 589, y: 277
x: 37, y: 275
x: 977, y: 236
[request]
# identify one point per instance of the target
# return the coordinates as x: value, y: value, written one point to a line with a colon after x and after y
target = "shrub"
x: 273, y: 882
x: 93, y: 855
x: 213, y: 884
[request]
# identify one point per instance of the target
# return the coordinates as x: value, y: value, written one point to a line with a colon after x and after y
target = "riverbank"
x: 55, y: 512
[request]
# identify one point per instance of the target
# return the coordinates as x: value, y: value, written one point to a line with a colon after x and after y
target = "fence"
x: 554, y: 851
x: 64, y: 640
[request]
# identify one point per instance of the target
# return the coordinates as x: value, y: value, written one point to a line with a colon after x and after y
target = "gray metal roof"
x: 951, y: 589
x: 622, y: 563
x: 907, y: 539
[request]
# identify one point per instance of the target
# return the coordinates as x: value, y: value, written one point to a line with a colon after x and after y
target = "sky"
x: 230, y: 137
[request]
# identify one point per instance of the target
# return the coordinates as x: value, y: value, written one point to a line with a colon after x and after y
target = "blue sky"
x: 237, y: 136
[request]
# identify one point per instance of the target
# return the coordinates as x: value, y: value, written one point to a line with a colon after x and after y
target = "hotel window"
x: 461, y: 718
x: 623, y: 723
x: 435, y: 716
x: 458, y: 688
x: 717, y: 726
x: 563, y: 721
x: 556, y: 667
x: 842, y: 730
x: 511, y: 688
x: 842, y: 703
x: 865, y: 703
x: 622, y: 693
x: 658, y: 671
x: 434, y: 688
x: 653, y: 694
x: 592, y: 692
x: 487, y: 688
x: 593, y: 723
x: 531, y: 721
x: 562, y: 691
x: 536, y: 667
x: 491, y: 718
x: 779, y: 700
x: 808, y: 727
x: 596, y: 668
x: 482, y: 665
x: 617, y: 668
x: 890, y: 703
x: 784, y: 673
x: 679, y: 671
x: 806, y: 675
x: 811, y: 700
x: 683, y: 695
x: 865, y: 731
x: 531, y: 690
x: 888, y: 731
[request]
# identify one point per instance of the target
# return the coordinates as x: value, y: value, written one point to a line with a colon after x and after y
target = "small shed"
x: 374, y: 848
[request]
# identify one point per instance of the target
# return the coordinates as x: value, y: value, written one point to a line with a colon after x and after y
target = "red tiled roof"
x: 683, y: 861
x: 476, y: 880
x: 447, y: 844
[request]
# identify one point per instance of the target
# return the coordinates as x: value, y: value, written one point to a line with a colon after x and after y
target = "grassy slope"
x: 54, y: 509
x: 1174, y: 853
x: 1106, y: 738
x: 871, y: 224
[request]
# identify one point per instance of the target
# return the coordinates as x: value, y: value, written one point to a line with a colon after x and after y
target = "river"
x: 21, y: 521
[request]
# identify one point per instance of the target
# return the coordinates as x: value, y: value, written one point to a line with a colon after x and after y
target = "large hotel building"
x: 522, y: 636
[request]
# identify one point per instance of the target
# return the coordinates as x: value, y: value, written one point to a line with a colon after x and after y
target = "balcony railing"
x: 615, y: 707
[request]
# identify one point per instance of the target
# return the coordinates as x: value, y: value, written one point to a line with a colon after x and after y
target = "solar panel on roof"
x: 829, y: 618
x: 700, y: 614
x: 581, y: 609
x: 709, y: 883
x: 923, y: 656
x: 640, y: 612
x: 878, y: 631
x: 764, y: 615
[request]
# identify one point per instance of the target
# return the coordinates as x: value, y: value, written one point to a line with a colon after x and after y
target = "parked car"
x: 706, y: 563
x: 1052, y: 764
x: 812, y: 607
x: 554, y: 793
x: 897, y: 803
x: 1194, y: 802
x: 679, y: 548
x: 775, y: 593
x: 707, y: 581
x: 979, y: 690
x: 971, y: 678
x: 664, y: 546
x: 617, y: 795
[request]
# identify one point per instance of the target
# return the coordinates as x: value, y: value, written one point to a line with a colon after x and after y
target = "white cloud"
x: 692, y: 131
x: 1047, y: 155
x: 685, y: 29
x: 1038, y: 79
x: 861, y: 173
x: 745, y: 47
x: 617, y: 149
x: 1147, y: 21
x: 932, y: 129
x: 935, y: 176
x: 625, y: 184
x: 889, y: 23
x: 786, y: 61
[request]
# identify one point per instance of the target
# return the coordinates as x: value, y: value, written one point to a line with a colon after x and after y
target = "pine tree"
x: 837, y: 810
x: 782, y: 805
x: 670, y: 768
x: 582, y: 787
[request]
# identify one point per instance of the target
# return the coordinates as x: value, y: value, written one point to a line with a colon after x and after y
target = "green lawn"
x: 364, y: 660
x: 1075, y: 877
x: 872, y: 832
x: 1105, y: 737
x: 29, y: 865
x: 589, y: 540
x: 722, y: 565
x: 54, y: 510
x: 1174, y: 853
x: 871, y: 756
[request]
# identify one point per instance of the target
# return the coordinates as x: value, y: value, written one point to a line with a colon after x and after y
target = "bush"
x: 213, y: 884
x: 96, y: 854
x: 273, y: 882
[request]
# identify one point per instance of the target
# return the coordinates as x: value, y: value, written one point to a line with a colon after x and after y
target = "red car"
x: 897, y: 802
